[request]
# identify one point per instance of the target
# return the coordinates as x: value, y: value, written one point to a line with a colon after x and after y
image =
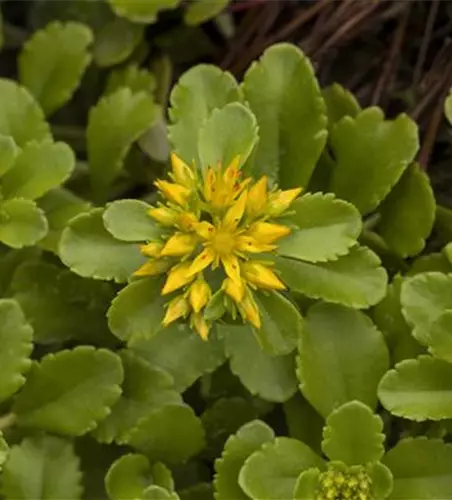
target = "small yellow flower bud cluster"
x: 344, y: 484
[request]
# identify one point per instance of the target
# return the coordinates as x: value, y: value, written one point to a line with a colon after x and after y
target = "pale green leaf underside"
x: 70, y: 391
x: 53, y: 61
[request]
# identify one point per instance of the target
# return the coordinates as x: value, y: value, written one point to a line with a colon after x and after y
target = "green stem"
x: 7, y: 421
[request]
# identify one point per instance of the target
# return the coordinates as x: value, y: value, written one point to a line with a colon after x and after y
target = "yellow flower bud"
x: 187, y: 221
x: 280, y: 201
x: 177, y: 278
x: 201, y: 326
x: 179, y: 245
x: 182, y: 173
x: 257, y: 197
x: 261, y: 276
x: 266, y: 232
x: 249, y: 309
x: 235, y: 289
x: 199, y: 295
x: 152, y: 268
x: 151, y: 249
x: 177, y: 308
x: 173, y: 192
x: 164, y: 215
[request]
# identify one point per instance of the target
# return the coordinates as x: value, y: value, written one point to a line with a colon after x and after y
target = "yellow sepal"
x: 199, y: 295
x: 177, y: 278
x: 177, y: 308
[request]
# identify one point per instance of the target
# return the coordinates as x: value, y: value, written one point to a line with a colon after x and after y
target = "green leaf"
x: 138, y: 310
x: 43, y: 467
x: 283, y: 93
x: 199, y: 491
x: 8, y: 153
x: 70, y: 391
x: 237, y: 449
x: 141, y: 12
x: 179, y: 351
x: 228, y: 132
x: 128, y: 220
x: 431, y: 262
x: 128, y: 477
x: 355, y: 280
x: 271, y: 472
x: 424, y: 298
x: 54, y: 299
x: 132, y: 76
x: 418, y: 389
x: 53, y: 61
x: 270, y: 377
x: 339, y: 103
x: 144, y: 389
x: 22, y: 223
x: 440, y: 337
x: 201, y: 11
x: 16, y: 338
x: 448, y: 108
x: 382, y: 480
x: 422, y: 469
x: 353, y: 435
x: 408, y: 213
x: 38, y: 168
x: 371, y: 155
x: 4, y: 451
x: 89, y: 250
x: 198, y: 92
x: 158, y: 493
x: 116, y: 41
x: 20, y: 115
x: 60, y: 206
x: 326, y: 228
x: 114, y: 124
x: 171, y: 433
x: 280, y: 323
x: 328, y: 333
x: 307, y: 485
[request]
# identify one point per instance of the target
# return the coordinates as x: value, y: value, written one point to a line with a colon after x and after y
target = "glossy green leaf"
x: 371, y: 154
x: 16, y: 337
x: 271, y: 472
x: 228, y: 132
x: 20, y: 115
x: 280, y: 323
x: 329, y: 332
x: 60, y: 206
x: 43, y: 467
x: 440, y: 337
x: 54, y: 299
x: 128, y: 477
x: 132, y: 76
x: 138, y: 310
x: 424, y: 298
x: 128, y: 220
x: 326, y: 228
x: 422, y: 469
x: 418, y: 389
x: 39, y: 167
x: 198, y: 92
x: 200, y: 11
x: 141, y: 11
x: 116, y: 41
x: 339, y: 103
x: 70, y: 391
x: 353, y: 435
x: 53, y: 61
x: 180, y: 351
x: 8, y: 153
x: 144, y: 389
x: 355, y: 280
x: 89, y: 250
x: 283, y: 93
x: 408, y: 213
x: 114, y: 124
x: 22, y: 223
x: 171, y: 433
x: 270, y: 377
x: 237, y: 449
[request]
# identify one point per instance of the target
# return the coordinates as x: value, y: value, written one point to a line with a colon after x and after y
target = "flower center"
x: 223, y: 242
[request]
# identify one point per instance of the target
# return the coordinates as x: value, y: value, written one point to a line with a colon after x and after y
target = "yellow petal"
x: 182, y: 173
x: 179, y: 244
x: 200, y: 326
x: 232, y: 172
x: 257, y: 197
x: 280, y: 201
x: 177, y: 308
x: 187, y: 221
x: 209, y: 184
x: 266, y: 232
x: 204, y: 259
x: 166, y: 216
x: 199, y: 295
x: 235, y: 213
x: 151, y: 249
x: 173, y: 192
x: 251, y: 245
x: 177, y: 278
x: 235, y: 289
x: 249, y: 309
x: 152, y: 268
x: 231, y: 267
x: 262, y: 276
x: 204, y: 229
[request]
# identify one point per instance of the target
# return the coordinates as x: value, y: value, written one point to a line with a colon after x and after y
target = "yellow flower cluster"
x: 215, y: 223
x: 345, y: 485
